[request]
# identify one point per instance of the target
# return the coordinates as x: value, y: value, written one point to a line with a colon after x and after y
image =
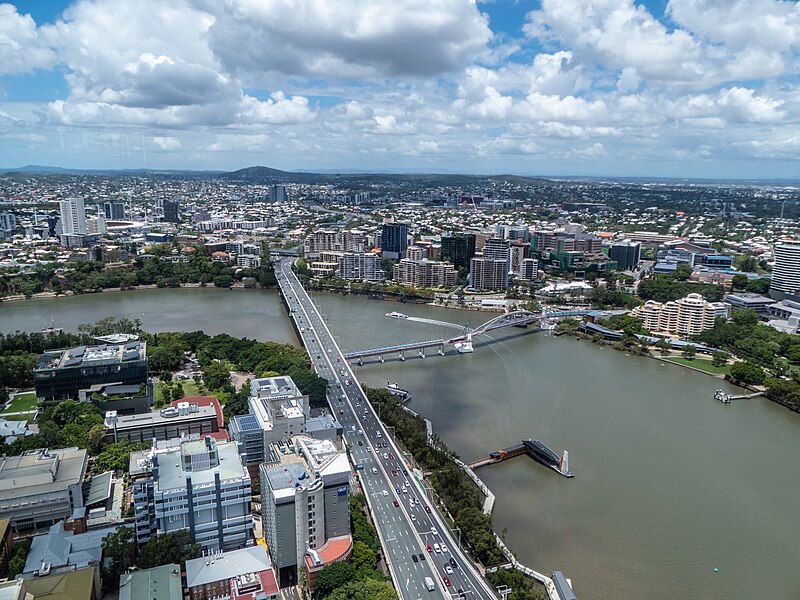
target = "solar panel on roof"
x: 248, y: 422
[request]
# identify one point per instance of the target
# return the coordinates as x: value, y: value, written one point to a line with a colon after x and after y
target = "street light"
x: 503, y: 590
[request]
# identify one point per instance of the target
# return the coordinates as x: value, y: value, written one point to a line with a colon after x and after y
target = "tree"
x: 216, y: 375
x: 167, y: 548
x: 363, y: 556
x: 332, y: 577
x: 120, y: 549
x: 719, y: 358
x: 739, y: 282
x: 369, y: 589
x: 747, y: 372
x: 689, y: 352
x: 682, y: 272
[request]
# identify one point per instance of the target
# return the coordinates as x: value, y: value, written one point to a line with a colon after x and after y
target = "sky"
x: 661, y: 88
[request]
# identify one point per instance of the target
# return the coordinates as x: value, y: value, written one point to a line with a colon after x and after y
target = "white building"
x: 684, y: 317
x: 362, y: 267
x: 487, y: 274
x: 305, y: 499
x: 529, y: 269
x: 73, y: 216
x: 786, y: 271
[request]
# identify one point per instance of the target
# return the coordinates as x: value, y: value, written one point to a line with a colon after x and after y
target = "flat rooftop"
x: 157, y: 418
x: 39, y: 472
x: 92, y: 355
x: 172, y: 476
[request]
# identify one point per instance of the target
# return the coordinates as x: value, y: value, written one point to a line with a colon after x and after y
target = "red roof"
x: 335, y: 549
x: 206, y: 401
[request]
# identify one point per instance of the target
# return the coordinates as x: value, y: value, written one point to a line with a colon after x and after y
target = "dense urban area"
x: 212, y: 466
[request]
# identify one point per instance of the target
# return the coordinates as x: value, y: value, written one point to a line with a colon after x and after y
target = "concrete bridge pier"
x: 441, y: 350
x: 402, y: 355
x: 380, y: 357
x: 360, y: 362
x: 421, y: 353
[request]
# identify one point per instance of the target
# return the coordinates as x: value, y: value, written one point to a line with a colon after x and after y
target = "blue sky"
x: 683, y: 88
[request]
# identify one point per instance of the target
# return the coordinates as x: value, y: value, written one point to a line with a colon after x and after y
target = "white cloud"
x: 344, y: 39
x: 22, y: 48
x: 167, y: 143
x: 240, y: 143
x: 277, y: 110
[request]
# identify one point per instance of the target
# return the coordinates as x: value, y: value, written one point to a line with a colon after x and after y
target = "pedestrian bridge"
x: 517, y: 318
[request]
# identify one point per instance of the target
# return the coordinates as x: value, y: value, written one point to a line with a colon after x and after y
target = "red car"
x: 427, y: 509
x: 396, y: 503
x: 341, y: 412
x: 428, y: 548
x: 447, y: 581
x: 394, y: 472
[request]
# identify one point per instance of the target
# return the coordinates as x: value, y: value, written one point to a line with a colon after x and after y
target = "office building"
x: 394, y: 240
x: 747, y: 300
x: 360, y: 267
x: 184, y: 418
x: 277, y: 193
x: 459, y: 249
x: 497, y: 249
x: 487, y: 275
x: 96, y: 225
x: 786, y: 271
x: 684, y: 317
x: 305, y: 503
x: 158, y: 583
x: 41, y: 487
x: 193, y: 484
x: 244, y: 574
x: 172, y: 209
x: 425, y: 273
x: 278, y: 410
x: 63, y: 373
x: 517, y: 252
x: 626, y: 254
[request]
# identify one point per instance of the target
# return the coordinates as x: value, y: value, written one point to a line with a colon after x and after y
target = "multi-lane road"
x: 416, y: 542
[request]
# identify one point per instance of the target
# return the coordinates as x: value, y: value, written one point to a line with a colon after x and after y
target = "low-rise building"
x: 60, y: 550
x: 172, y: 422
x: 40, y: 487
x: 158, y: 583
x: 747, y: 300
x: 193, y: 484
x: 244, y: 574
x: 63, y: 373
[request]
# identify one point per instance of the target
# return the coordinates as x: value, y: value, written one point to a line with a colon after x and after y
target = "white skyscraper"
x: 786, y: 272
x: 73, y: 217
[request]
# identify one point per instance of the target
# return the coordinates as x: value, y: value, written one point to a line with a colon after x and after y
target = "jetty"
x: 537, y: 450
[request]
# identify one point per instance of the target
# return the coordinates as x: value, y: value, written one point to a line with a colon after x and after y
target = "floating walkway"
x: 726, y: 398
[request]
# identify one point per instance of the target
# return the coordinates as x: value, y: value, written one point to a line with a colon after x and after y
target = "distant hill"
x: 48, y: 170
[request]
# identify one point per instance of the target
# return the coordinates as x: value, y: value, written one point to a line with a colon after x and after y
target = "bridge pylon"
x: 402, y: 355
x: 421, y: 353
x: 380, y: 357
x: 360, y: 362
x: 441, y: 350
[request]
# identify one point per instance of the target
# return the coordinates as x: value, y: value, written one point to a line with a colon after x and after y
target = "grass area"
x: 22, y: 402
x: 702, y: 364
x: 190, y: 388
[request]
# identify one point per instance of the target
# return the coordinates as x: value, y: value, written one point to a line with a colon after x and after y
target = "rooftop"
x: 163, y: 416
x: 172, y: 474
x: 40, y: 471
x: 158, y: 583
x: 227, y: 565
x: 92, y: 355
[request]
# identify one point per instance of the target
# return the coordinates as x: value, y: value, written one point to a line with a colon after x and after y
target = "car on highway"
x: 341, y: 411
x: 448, y: 569
x: 414, y: 558
x: 374, y: 471
x: 428, y: 509
x: 396, y: 503
x: 437, y: 548
x: 434, y: 531
x: 453, y: 563
x: 385, y: 493
x: 385, y: 456
x: 421, y: 556
x: 444, y: 548
x: 446, y: 581
x: 428, y: 548
x: 394, y: 472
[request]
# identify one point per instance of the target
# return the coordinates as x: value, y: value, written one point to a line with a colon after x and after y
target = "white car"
x: 448, y: 569
x: 437, y: 548
x: 433, y: 531
x: 385, y: 456
x: 385, y: 493
x: 444, y: 548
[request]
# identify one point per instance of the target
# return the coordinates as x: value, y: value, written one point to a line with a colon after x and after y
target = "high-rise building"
x: 786, y: 271
x: 394, y: 240
x: 626, y: 254
x: 172, y: 210
x: 529, y: 269
x: 277, y: 193
x: 73, y: 216
x: 114, y: 211
x: 305, y: 503
x: 486, y: 274
x: 366, y: 267
x: 193, y: 484
x: 8, y: 225
x: 425, y: 273
x: 685, y: 317
x: 459, y: 249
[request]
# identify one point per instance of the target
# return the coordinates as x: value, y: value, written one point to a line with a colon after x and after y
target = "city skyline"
x: 684, y: 88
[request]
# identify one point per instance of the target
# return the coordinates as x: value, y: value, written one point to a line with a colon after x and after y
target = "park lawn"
x: 22, y: 402
x: 700, y: 363
x: 190, y: 388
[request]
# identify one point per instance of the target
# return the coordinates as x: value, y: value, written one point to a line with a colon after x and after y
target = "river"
x: 669, y: 484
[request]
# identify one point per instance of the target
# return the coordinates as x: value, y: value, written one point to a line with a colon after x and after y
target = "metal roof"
x: 99, y: 489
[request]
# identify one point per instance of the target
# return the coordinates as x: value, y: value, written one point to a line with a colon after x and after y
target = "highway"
x: 416, y: 542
